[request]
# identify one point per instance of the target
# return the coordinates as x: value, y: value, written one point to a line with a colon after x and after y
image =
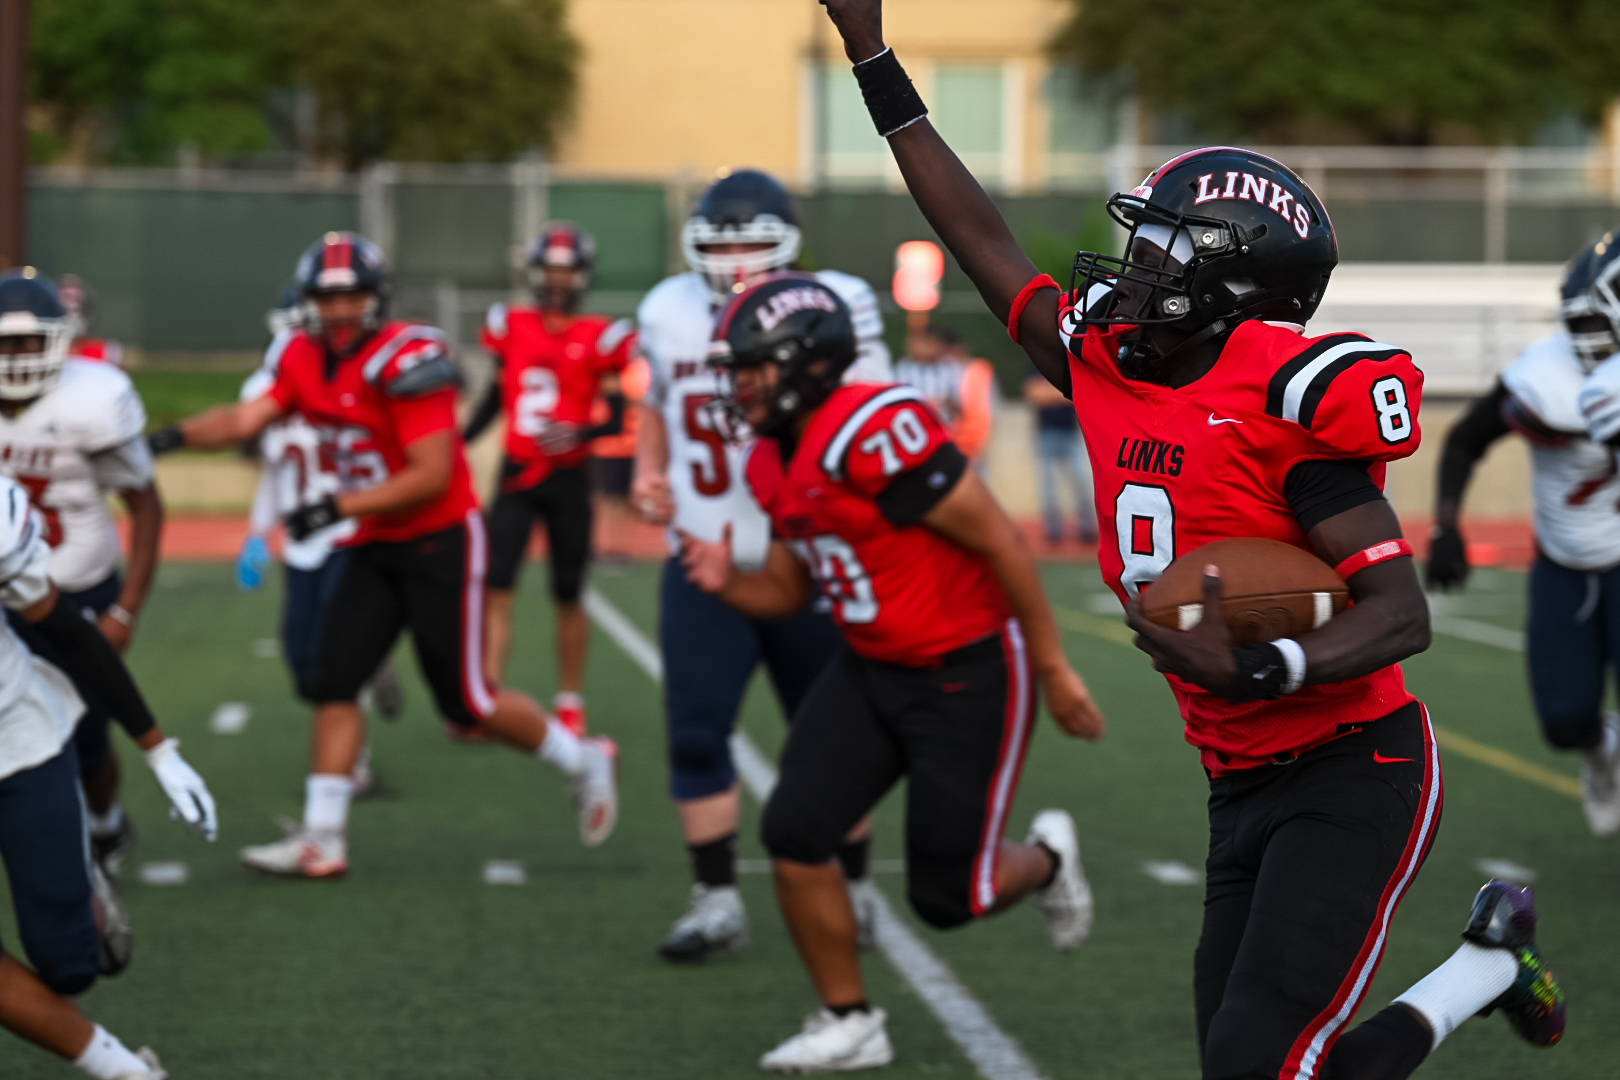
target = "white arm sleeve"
x: 123, y: 468
x: 1600, y: 400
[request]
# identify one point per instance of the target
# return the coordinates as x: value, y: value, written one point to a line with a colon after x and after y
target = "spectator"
x: 1059, y: 448
x: 960, y: 388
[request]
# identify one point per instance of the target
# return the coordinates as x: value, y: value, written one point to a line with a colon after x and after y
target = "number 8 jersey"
x: 1178, y: 467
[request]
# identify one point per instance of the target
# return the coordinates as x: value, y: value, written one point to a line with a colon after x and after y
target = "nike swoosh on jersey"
x: 1212, y: 421
x: 1382, y: 760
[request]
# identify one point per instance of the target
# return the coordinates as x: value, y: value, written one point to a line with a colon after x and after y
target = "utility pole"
x: 13, y: 132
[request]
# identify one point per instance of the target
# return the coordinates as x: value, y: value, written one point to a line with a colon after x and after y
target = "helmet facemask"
x: 346, y: 337
x: 1592, y: 319
x: 33, y: 350
x: 778, y: 243
x: 560, y: 296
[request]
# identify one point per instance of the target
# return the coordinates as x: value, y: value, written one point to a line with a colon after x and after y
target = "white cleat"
x: 154, y: 1070
x: 306, y: 853
x: 596, y: 790
x: 1066, y: 902
x: 116, y: 938
x: 715, y: 921
x: 1600, y: 780
x: 863, y: 897
x: 830, y: 1043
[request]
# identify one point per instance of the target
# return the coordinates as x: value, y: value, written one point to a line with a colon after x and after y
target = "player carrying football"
x: 1563, y: 395
x: 1208, y: 414
x: 71, y: 433
x: 689, y: 475
x: 948, y: 630
x: 550, y: 364
x: 382, y: 396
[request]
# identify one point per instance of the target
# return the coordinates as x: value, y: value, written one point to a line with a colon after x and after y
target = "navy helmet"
x: 742, y: 207
x: 1589, y: 301
x: 36, y: 332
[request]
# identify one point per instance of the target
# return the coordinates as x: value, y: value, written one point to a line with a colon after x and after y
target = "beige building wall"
x: 698, y: 85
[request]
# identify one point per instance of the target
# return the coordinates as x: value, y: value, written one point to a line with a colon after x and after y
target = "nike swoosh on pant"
x: 1382, y: 760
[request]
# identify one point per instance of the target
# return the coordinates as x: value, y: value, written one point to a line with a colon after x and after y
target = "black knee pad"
x: 787, y: 835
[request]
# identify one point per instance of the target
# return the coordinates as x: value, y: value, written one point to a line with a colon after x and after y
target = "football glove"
x: 187, y: 793
x: 163, y: 440
x: 305, y: 521
x: 251, y: 563
x: 1448, y: 558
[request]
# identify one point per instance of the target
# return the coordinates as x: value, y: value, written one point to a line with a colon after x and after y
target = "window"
x: 853, y: 151
x: 1083, y: 110
x: 967, y: 108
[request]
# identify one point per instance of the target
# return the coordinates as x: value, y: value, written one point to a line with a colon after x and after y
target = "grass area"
x: 171, y: 396
x: 413, y: 968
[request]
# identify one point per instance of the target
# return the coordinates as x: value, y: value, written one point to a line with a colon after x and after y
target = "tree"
x: 1395, y: 71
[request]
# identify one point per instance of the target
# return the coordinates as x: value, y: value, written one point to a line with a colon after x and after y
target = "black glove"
x: 163, y: 440
x: 1448, y: 558
x: 307, y: 520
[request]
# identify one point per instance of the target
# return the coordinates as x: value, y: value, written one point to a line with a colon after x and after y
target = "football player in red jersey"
x: 551, y: 363
x: 382, y: 396
x: 1208, y: 413
x: 948, y: 631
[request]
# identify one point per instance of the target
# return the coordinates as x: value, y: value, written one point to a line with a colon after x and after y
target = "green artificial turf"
x: 171, y: 396
x: 414, y: 968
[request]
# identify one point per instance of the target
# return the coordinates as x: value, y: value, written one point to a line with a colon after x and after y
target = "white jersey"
x: 1575, y: 482
x: 38, y: 705
x: 70, y: 448
x: 293, y: 472
x: 675, y: 321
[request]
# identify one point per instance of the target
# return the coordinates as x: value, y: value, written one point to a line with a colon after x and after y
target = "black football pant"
x: 956, y: 732
x: 1307, y: 863
x: 563, y: 500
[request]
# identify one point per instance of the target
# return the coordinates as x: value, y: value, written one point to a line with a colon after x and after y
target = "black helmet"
x: 792, y: 320
x: 743, y: 207
x: 343, y: 262
x: 1589, y: 302
x: 1218, y: 236
x: 561, y: 245
x: 31, y: 309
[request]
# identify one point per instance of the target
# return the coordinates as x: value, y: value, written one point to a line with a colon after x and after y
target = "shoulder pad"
x: 834, y: 459
x: 257, y: 385
x: 1357, y: 397
x: 1546, y: 380
x: 417, y: 360
x: 674, y: 297
x: 495, y: 320
x: 277, y: 349
x: 614, y: 336
x: 862, y: 300
x: 106, y: 409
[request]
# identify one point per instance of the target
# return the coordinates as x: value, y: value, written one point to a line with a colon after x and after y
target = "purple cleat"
x: 1504, y: 917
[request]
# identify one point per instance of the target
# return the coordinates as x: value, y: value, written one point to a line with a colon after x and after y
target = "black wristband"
x: 891, y: 99
x: 166, y: 439
x: 1262, y: 674
x: 307, y: 520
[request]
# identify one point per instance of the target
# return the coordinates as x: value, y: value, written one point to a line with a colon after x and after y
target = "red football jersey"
x: 103, y: 349
x: 368, y: 411
x: 1177, y: 468
x: 549, y: 378
x: 901, y: 595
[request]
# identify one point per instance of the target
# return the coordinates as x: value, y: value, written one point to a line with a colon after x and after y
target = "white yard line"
x: 1483, y: 632
x: 992, y: 1051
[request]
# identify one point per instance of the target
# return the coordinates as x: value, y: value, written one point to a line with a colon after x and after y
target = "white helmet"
x: 36, y: 333
x: 744, y: 207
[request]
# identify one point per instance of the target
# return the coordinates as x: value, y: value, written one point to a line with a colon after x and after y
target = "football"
x: 1270, y: 590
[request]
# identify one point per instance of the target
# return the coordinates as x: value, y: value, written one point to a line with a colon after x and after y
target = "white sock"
x: 108, y: 823
x: 1473, y: 978
x: 563, y: 749
x: 326, y: 801
x: 106, y: 1058
x: 569, y: 699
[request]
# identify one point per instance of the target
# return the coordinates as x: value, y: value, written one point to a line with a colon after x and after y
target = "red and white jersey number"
x: 1146, y: 523
x: 35, y: 486
x: 842, y: 578
x: 712, y: 477
x: 350, y: 455
x: 536, y: 401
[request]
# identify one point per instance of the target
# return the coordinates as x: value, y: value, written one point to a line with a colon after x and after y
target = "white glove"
x: 185, y: 789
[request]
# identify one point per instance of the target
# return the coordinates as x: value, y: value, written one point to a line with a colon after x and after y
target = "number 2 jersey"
x: 550, y: 377
x: 674, y: 324
x: 872, y: 462
x: 400, y: 386
x: 1179, y: 467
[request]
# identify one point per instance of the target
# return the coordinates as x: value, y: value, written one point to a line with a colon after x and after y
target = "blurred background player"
x: 70, y: 925
x: 550, y: 365
x: 689, y: 476
x: 613, y: 462
x: 948, y: 630
x: 381, y: 394
x: 72, y: 434
x: 961, y: 389
x: 294, y: 472
x: 1561, y: 394
x: 1060, y: 460
x: 79, y: 300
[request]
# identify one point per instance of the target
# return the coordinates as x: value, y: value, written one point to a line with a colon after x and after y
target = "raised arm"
x: 954, y: 203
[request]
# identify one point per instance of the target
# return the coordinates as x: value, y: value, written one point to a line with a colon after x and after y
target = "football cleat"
x: 1065, y: 902
x: 571, y: 714
x: 831, y: 1043
x: 1600, y: 781
x: 305, y: 853
x: 364, y: 779
x: 715, y: 921
x: 863, y: 897
x: 1504, y: 917
x: 113, y: 849
x: 387, y: 692
x: 596, y: 790
x: 115, y: 936
x: 154, y: 1069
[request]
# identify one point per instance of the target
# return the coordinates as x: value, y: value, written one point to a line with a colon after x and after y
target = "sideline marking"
x: 1507, y: 870
x: 230, y: 718
x: 165, y: 873
x: 1453, y: 741
x: 1172, y: 872
x: 992, y: 1051
x: 505, y: 872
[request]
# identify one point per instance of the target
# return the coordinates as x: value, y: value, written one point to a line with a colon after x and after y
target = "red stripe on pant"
x: 475, y: 688
x: 1316, y: 1041
x: 1017, y: 725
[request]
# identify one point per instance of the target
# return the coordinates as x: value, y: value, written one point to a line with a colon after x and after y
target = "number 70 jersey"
x: 1179, y: 467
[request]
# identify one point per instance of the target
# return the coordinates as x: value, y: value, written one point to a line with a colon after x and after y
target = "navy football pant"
x: 710, y: 652
x: 1573, y: 640
x: 303, y: 618
x: 90, y: 739
x: 46, y: 849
